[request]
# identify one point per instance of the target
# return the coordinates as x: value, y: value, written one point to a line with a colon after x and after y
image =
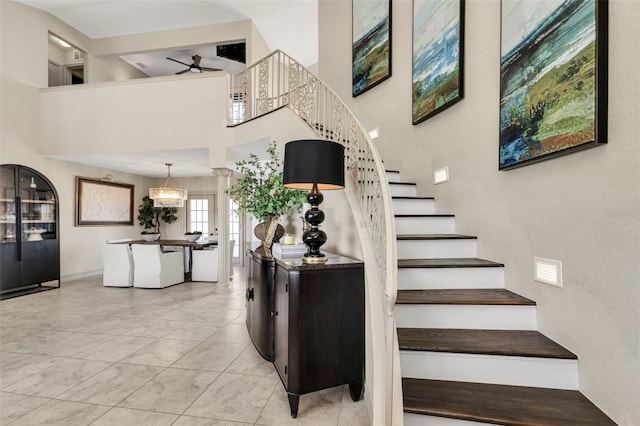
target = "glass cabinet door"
x: 37, y: 207
x: 8, y: 229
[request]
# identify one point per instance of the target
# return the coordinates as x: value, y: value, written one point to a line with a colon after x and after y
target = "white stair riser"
x: 438, y: 278
x: 401, y: 206
x: 494, y: 369
x: 403, y: 190
x: 411, y: 419
x: 393, y: 177
x: 425, y: 225
x: 491, y: 317
x: 436, y: 249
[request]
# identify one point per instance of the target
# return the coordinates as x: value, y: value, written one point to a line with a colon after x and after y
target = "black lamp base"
x: 314, y: 238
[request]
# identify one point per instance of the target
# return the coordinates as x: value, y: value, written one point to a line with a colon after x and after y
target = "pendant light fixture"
x: 166, y: 196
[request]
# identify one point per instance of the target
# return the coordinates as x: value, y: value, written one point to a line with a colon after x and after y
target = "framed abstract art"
x: 553, y: 79
x: 371, y: 44
x: 438, y: 51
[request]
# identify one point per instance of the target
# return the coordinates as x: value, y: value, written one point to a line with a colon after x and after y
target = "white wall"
x: 137, y: 115
x: 112, y: 68
x: 581, y: 209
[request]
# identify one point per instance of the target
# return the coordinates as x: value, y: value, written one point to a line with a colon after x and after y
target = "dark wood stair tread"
x: 425, y: 215
x: 405, y: 237
x: 526, y: 343
x: 403, y: 183
x: 463, y: 262
x: 492, y: 296
x: 412, y: 198
x: 500, y: 404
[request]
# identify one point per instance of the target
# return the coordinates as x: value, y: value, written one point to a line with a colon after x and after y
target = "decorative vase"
x: 268, y: 232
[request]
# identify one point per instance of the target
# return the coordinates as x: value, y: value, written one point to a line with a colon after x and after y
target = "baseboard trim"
x: 80, y: 275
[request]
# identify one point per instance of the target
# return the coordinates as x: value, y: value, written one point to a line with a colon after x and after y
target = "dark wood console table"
x: 318, y: 324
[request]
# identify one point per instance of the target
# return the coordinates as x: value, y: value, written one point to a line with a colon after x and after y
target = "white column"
x: 224, y: 254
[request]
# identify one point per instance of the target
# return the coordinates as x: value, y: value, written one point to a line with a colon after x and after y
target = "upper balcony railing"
x: 279, y: 81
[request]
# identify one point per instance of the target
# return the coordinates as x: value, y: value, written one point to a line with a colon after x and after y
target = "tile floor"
x: 86, y: 354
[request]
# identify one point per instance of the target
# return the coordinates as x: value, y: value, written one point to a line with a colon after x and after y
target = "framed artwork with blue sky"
x: 371, y: 44
x: 438, y: 56
x: 553, y: 79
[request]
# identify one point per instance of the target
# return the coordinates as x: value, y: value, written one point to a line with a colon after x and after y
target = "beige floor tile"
x: 320, y: 408
x: 250, y: 362
x: 200, y: 421
x: 234, y: 397
x: 171, y: 391
x: 13, y: 406
x: 74, y: 343
x: 154, y: 311
x: 210, y: 356
x: 222, y: 316
x: 194, y: 331
x: 16, y: 366
x: 112, y: 385
x: 353, y: 413
x: 187, y: 313
x: 116, y: 348
x: 61, y: 375
x: 102, y: 325
x: 162, y: 352
x: 152, y: 328
x: 62, y: 413
x: 125, y: 417
x: 231, y: 333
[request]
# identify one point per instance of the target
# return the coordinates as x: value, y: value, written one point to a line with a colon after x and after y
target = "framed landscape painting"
x: 371, y: 44
x: 553, y: 79
x: 438, y: 50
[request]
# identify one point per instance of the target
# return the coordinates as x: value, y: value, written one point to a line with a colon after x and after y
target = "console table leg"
x: 294, y: 400
x: 355, y: 389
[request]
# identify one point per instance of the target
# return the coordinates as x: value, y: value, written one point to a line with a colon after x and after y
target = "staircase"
x: 469, y: 349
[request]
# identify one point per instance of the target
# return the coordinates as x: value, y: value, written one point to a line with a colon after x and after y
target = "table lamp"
x: 314, y: 165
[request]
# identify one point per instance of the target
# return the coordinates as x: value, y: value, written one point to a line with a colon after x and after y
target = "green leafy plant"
x: 150, y: 217
x: 260, y: 191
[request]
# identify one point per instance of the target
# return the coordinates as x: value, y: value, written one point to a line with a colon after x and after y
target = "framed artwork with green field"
x: 371, y: 44
x: 553, y: 79
x: 438, y: 56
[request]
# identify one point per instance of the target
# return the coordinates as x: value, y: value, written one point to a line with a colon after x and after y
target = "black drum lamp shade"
x: 314, y: 165
x: 313, y: 161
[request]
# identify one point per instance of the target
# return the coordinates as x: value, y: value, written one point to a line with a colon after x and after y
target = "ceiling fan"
x: 195, y: 66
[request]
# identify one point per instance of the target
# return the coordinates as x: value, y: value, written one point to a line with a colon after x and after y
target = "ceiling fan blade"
x: 210, y: 69
x: 180, y: 62
x: 196, y: 60
x: 182, y: 72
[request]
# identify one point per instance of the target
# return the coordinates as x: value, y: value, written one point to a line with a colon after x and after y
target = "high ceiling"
x: 289, y: 25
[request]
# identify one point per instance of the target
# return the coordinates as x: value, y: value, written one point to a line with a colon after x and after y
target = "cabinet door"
x: 40, y: 261
x: 260, y: 304
x: 9, y: 246
x: 281, y: 325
